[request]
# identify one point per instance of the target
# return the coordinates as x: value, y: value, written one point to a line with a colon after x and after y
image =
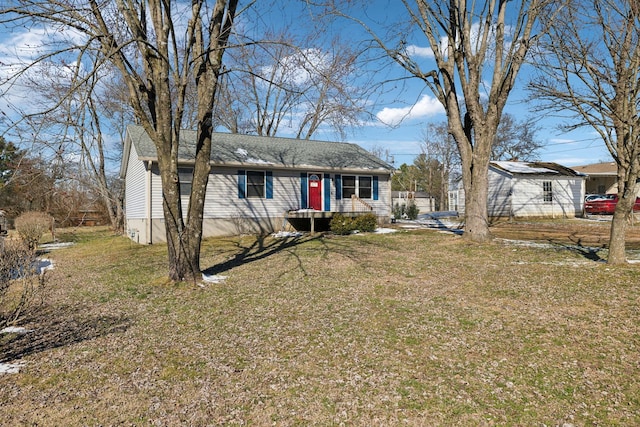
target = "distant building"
x: 602, y: 178
x: 530, y: 189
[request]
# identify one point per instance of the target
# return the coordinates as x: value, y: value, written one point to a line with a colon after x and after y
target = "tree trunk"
x: 617, y: 236
x: 182, y: 248
x: 476, y: 226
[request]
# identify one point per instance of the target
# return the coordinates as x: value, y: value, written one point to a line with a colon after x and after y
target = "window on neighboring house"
x: 361, y: 186
x: 547, y: 191
x: 255, y: 184
x: 185, y: 175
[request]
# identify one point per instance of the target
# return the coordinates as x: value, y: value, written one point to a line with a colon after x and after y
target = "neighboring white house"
x: 530, y: 189
x: 256, y: 183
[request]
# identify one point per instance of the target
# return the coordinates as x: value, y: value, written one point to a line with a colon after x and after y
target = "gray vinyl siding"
x: 222, y: 199
x: 381, y: 207
x: 135, y: 185
x: 156, y: 194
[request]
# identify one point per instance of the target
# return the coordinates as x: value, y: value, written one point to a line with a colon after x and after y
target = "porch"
x: 315, y: 221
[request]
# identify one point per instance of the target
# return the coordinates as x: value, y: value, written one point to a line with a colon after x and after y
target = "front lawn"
x: 409, y: 328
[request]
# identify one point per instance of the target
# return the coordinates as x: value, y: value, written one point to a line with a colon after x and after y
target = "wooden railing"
x: 359, y: 205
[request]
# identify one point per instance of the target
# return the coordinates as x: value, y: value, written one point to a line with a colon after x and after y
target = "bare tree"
x: 439, y: 145
x: 292, y: 86
x: 77, y: 115
x: 478, y: 49
x: 159, y: 49
x: 589, y: 69
x: 516, y: 140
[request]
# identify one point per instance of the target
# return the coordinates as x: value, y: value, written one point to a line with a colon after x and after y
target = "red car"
x: 604, y: 204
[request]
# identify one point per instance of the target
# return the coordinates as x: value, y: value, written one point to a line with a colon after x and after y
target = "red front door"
x: 315, y: 192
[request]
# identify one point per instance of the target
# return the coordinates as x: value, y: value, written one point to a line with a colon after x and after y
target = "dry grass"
x: 418, y: 328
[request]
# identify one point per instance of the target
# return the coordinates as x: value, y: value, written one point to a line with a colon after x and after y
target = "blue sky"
x: 412, y: 108
x: 404, y: 140
x: 409, y: 108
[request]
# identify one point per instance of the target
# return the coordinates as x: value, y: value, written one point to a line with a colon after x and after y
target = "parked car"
x: 599, y: 204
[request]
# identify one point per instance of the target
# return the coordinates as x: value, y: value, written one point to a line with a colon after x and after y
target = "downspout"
x: 148, y: 205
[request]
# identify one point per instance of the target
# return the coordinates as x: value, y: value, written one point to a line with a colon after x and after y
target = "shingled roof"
x: 250, y: 150
x: 602, y: 168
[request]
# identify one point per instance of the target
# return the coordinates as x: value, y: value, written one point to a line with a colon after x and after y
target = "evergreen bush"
x: 366, y: 223
x: 341, y: 224
x: 401, y: 211
x: 412, y: 211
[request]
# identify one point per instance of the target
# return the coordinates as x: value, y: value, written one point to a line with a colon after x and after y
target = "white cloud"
x: 19, y: 51
x: 426, y: 107
x: 420, y: 52
x: 298, y: 69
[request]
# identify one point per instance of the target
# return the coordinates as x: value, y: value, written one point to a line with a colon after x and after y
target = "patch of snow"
x: 61, y: 245
x: 213, y: 278
x: 385, y: 230
x: 44, y: 264
x: 258, y: 161
x: 287, y: 234
x: 15, y: 330
x: 10, y: 368
x: 244, y: 153
x: 524, y: 167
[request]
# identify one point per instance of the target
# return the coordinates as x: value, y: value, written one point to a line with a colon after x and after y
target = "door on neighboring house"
x: 315, y: 192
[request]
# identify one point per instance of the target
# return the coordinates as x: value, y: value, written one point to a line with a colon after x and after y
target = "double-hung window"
x: 360, y: 186
x: 349, y: 187
x: 185, y: 175
x: 364, y: 187
x: 547, y: 192
x: 255, y: 184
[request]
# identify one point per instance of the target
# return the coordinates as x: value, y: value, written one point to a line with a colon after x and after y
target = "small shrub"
x: 341, y: 224
x: 366, y: 223
x: 412, y: 211
x: 403, y: 211
x: 398, y: 210
x: 20, y: 280
x: 31, y: 226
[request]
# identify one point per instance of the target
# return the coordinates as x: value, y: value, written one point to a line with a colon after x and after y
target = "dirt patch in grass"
x: 568, y: 232
x: 413, y: 328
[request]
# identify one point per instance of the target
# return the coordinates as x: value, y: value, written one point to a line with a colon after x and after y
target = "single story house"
x: 602, y: 178
x: 257, y: 184
x: 530, y: 189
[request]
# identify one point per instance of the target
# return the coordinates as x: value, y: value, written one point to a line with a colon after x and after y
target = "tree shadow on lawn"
x: 577, y: 246
x: 55, y: 327
x: 262, y: 247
